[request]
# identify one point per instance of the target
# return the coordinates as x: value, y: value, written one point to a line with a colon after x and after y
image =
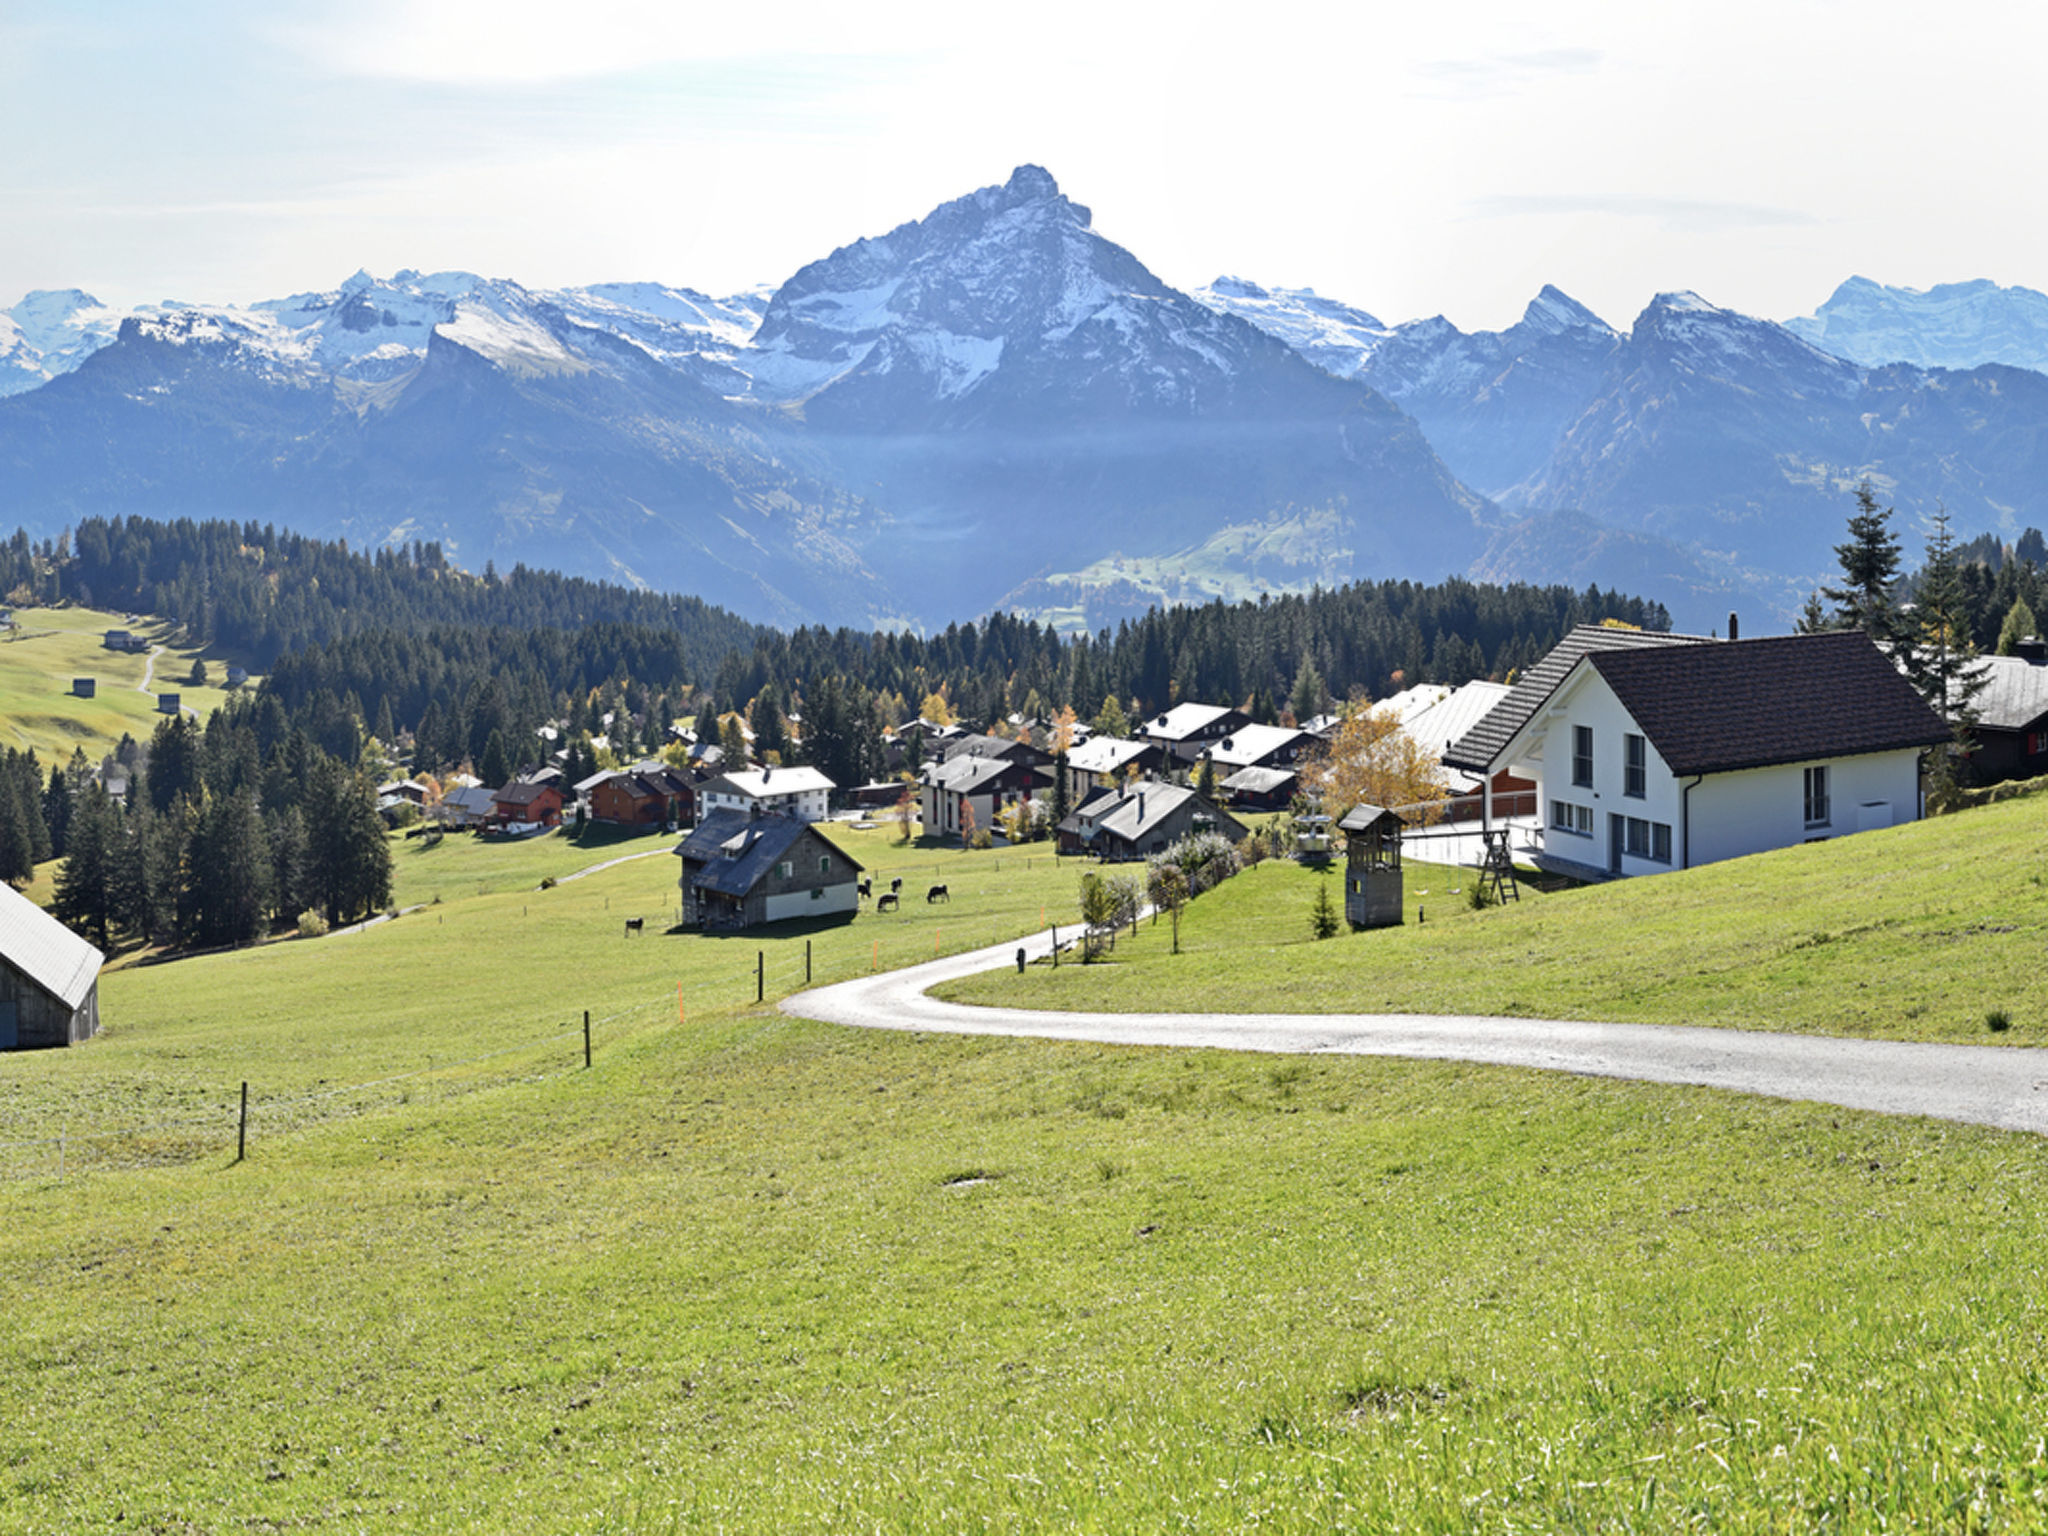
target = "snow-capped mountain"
x: 905, y: 430
x: 1336, y: 337
x: 1951, y: 325
x: 48, y: 333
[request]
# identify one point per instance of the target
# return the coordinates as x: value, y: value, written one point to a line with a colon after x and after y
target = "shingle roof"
x: 1478, y: 747
x: 44, y: 950
x: 2015, y: 693
x: 735, y: 850
x: 1132, y: 813
x: 524, y: 792
x: 1755, y: 703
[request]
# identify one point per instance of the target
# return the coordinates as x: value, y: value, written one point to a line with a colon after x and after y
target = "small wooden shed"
x: 82, y: 687
x: 49, y: 978
x: 1372, y: 866
x: 167, y: 703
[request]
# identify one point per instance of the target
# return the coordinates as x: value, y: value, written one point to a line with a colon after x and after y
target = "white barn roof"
x: 44, y: 950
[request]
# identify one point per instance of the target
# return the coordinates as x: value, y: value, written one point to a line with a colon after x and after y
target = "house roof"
x: 993, y: 746
x: 2015, y: 692
x: 1133, y: 813
x: 969, y: 775
x: 1438, y: 727
x: 1107, y: 754
x: 470, y: 797
x: 760, y: 783
x: 44, y: 950
x: 1363, y: 818
x: 1478, y: 748
x: 1754, y: 703
x: 1185, y: 720
x: 735, y: 849
x: 1260, y: 781
x: 1250, y: 744
x: 525, y: 792
x: 1411, y: 702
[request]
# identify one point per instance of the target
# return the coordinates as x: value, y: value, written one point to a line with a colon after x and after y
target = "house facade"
x: 1135, y: 823
x: 1666, y: 756
x: 648, y: 796
x: 1106, y: 762
x: 948, y: 791
x: 524, y: 803
x: 741, y: 869
x: 2012, y: 716
x: 800, y: 792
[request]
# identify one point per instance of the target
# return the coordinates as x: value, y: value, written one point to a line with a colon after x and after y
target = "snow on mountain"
x: 51, y: 332
x: 1951, y: 325
x: 1335, y: 336
x: 1688, y: 334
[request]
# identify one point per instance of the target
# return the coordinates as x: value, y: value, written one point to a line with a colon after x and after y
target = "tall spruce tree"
x: 1870, y: 569
x: 85, y: 880
x: 1939, y: 655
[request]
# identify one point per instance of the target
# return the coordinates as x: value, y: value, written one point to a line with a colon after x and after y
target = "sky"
x: 1409, y: 159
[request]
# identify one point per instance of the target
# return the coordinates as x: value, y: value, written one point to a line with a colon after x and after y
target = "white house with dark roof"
x: 1145, y: 819
x: 1663, y: 755
x: 1104, y: 762
x: 1259, y: 746
x: 741, y: 870
x: 49, y: 978
x: 950, y: 790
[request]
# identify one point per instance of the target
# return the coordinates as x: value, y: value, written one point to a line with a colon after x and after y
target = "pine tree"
x: 1813, y: 618
x: 57, y: 804
x: 1322, y: 917
x: 1870, y: 567
x: 84, y: 882
x: 770, y: 736
x: 496, y: 767
x: 17, y: 850
x: 1309, y: 693
x: 1939, y: 656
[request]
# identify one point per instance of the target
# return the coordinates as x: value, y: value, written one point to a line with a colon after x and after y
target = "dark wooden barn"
x: 49, y: 978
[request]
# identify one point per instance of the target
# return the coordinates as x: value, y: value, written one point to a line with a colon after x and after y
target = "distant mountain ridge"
x: 1951, y: 325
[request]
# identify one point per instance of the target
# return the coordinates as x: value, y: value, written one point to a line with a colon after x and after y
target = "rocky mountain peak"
x: 1553, y: 312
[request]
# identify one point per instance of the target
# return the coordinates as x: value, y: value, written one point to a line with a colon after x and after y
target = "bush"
x: 312, y: 925
x: 1478, y: 895
x: 1998, y: 1021
x: 980, y: 839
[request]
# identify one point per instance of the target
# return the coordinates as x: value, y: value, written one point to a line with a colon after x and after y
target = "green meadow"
x: 746, y: 1273
x: 50, y: 647
x: 1915, y: 933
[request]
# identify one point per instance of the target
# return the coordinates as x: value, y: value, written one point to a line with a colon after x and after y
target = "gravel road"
x: 2000, y: 1086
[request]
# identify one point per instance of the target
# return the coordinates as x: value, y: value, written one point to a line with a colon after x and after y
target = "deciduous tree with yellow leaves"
x: 1372, y: 761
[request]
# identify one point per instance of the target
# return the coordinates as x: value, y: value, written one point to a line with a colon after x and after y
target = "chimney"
x: 1733, y: 632
x: 1141, y: 805
x: 2033, y: 651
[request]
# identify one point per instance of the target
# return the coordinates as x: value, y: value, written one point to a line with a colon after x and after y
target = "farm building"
x: 2011, y: 729
x: 741, y: 869
x: 49, y: 978
x: 83, y: 687
x: 168, y: 703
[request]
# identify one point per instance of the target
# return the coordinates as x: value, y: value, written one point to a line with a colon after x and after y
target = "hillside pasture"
x: 49, y: 647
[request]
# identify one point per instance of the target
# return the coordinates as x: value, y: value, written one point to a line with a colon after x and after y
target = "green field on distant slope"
x: 50, y: 647
x: 748, y: 1273
x: 1914, y: 933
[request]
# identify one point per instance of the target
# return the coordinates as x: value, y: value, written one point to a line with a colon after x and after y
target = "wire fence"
x: 241, y: 1117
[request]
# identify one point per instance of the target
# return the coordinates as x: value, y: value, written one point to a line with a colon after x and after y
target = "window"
x: 817, y: 893
x: 1647, y: 840
x: 824, y: 863
x: 1635, y: 767
x: 1566, y: 817
x: 1582, y: 756
x: 2037, y: 743
x: 785, y: 870
x: 1816, y: 797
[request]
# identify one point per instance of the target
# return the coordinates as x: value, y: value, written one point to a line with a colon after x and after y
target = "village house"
x: 1440, y: 724
x: 741, y: 869
x: 466, y: 805
x: 1258, y: 746
x: 984, y: 786
x: 648, y: 795
x: 1142, y: 820
x: 1673, y: 751
x: 49, y: 978
x: 527, y: 803
x: 2012, y: 716
x: 1260, y: 789
x: 1185, y: 730
x: 1107, y: 762
x: 800, y: 792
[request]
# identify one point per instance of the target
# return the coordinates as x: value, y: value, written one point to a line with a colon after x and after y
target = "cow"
x: 866, y: 889
x: 888, y: 902
x: 635, y: 925
x: 896, y: 886
x: 937, y: 893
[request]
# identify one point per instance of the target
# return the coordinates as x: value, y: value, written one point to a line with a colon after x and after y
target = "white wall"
x: 836, y: 898
x: 1589, y: 701
x: 1738, y: 813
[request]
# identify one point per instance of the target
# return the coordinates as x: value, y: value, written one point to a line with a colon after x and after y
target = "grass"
x: 49, y: 647
x: 1912, y: 933
x: 750, y: 1273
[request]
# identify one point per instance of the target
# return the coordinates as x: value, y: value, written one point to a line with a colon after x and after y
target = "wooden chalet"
x: 742, y: 869
x: 49, y: 978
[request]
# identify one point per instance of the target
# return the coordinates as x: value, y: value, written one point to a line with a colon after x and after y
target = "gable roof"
x: 1260, y: 781
x: 968, y: 774
x: 44, y: 950
x: 2015, y: 692
x: 1755, y: 703
x: 1107, y: 754
x: 1251, y: 744
x: 993, y: 746
x: 1185, y: 720
x: 1440, y: 726
x: 526, y: 792
x: 759, y: 783
x: 1135, y: 812
x: 734, y: 850
x: 1478, y: 748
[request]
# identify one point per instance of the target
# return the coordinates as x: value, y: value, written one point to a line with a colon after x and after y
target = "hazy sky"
x: 1411, y: 159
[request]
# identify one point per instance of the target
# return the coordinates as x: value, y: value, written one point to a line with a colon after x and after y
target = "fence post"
x: 242, y: 1128
x: 807, y: 962
x: 760, y: 975
x: 586, y: 1039
x: 1055, y: 946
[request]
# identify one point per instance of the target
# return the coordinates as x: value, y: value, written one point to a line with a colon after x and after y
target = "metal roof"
x: 1107, y: 754
x: 2015, y: 692
x: 44, y: 950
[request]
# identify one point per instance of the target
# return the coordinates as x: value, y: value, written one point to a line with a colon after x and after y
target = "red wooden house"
x: 522, y: 803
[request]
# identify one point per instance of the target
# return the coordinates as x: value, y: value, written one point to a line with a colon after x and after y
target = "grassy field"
x: 752, y: 1274
x: 1916, y: 933
x: 49, y: 647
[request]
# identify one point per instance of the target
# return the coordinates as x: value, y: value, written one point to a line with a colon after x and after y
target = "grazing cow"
x: 896, y: 886
x: 866, y: 889
x: 888, y: 902
x: 635, y: 924
x: 937, y: 893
